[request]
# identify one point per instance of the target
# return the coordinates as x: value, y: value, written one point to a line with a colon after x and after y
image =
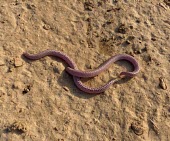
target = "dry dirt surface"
x: 39, y: 100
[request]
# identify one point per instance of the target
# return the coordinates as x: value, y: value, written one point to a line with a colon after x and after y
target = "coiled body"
x: 73, y: 70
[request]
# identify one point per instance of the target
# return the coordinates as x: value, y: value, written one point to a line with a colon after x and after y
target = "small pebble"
x: 18, y: 62
x: 19, y: 127
x: 162, y: 83
x: 27, y: 89
x: 88, y: 66
x: 82, y: 41
x: 46, y: 27
x: 65, y: 88
x: 86, y: 17
x: 10, y: 69
x: 137, y: 129
x: 128, y: 42
x: 122, y: 29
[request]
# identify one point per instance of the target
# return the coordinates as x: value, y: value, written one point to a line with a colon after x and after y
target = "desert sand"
x: 39, y: 100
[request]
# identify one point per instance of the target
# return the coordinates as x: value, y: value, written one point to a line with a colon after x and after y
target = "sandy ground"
x: 38, y: 99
